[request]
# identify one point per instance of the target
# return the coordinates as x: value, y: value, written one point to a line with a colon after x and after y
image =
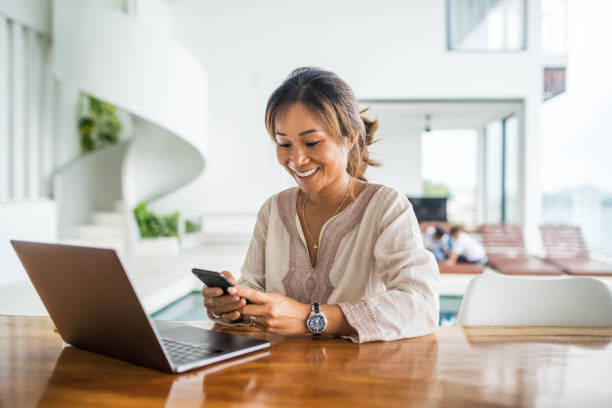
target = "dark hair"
x: 333, y: 102
x: 455, y: 230
x: 439, y: 232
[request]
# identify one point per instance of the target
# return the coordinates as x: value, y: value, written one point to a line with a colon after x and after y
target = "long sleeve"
x: 409, y: 306
x: 253, y: 268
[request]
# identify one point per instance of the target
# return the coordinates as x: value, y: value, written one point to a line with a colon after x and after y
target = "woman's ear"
x: 350, y: 141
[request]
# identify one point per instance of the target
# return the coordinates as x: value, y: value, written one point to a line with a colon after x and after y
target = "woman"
x: 335, y: 255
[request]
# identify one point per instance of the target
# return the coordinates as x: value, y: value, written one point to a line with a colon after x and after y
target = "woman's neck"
x: 331, y: 195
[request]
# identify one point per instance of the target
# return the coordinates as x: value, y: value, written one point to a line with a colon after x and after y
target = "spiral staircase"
x: 143, y: 71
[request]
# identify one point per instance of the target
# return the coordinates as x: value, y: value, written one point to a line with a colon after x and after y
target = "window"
x: 501, y: 171
x: 575, y: 142
x: 554, y: 46
x: 493, y: 172
x: 486, y: 25
x: 450, y: 170
x: 25, y: 102
x: 511, y: 161
x: 554, y: 82
x: 586, y: 206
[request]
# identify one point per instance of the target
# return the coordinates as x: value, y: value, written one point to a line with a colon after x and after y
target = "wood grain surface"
x: 501, y: 366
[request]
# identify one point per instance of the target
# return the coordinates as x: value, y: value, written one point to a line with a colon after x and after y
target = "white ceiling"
x: 444, y: 114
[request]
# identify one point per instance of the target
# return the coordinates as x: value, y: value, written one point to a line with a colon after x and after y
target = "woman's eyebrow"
x: 302, y: 133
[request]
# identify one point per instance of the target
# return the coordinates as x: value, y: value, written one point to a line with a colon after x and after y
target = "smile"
x: 306, y: 173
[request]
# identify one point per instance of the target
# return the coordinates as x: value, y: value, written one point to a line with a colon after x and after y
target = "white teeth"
x: 306, y: 174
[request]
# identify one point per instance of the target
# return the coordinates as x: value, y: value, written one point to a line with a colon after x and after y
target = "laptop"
x: 94, y: 306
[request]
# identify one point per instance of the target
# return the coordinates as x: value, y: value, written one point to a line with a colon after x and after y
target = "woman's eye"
x: 284, y: 145
x: 310, y: 144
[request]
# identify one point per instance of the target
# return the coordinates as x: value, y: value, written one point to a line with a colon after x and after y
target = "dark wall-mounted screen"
x: 429, y: 209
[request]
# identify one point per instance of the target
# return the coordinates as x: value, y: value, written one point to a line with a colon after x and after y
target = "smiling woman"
x: 336, y: 254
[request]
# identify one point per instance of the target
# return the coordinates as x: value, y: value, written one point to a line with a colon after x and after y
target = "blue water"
x: 190, y: 307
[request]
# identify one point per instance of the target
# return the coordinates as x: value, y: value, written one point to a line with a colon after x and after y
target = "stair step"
x: 114, y: 218
x: 119, y: 205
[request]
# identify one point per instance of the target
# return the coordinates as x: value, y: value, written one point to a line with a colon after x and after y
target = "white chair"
x: 492, y: 299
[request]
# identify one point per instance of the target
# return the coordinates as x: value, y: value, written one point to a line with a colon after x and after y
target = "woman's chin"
x: 308, y: 186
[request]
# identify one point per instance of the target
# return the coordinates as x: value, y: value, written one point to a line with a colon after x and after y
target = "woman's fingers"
x: 231, y: 316
x: 260, y: 322
x: 254, y: 296
x: 224, y: 300
x: 228, y: 275
x: 228, y: 307
x: 254, y: 310
x: 211, y: 292
x: 222, y: 304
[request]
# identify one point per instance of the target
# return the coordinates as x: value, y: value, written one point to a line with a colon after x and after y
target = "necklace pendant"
x: 316, y: 245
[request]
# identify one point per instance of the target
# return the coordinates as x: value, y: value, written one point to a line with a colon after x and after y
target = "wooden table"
x: 504, y: 366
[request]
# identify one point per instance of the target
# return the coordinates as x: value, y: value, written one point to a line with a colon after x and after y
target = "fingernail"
x: 232, y: 290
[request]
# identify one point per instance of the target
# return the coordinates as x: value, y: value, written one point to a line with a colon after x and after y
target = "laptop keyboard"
x: 181, y: 353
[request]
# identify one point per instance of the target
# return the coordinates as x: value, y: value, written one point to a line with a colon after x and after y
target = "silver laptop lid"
x: 92, y: 301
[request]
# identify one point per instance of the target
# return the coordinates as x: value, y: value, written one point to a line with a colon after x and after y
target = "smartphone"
x: 214, y: 280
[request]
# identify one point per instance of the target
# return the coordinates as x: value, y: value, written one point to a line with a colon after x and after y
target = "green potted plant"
x: 151, y: 225
x: 98, y: 124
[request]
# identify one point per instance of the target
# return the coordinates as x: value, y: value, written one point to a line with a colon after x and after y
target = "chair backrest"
x: 496, y: 300
x: 563, y: 241
x: 503, y: 239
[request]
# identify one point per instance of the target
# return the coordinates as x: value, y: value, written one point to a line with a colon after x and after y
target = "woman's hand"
x: 222, y: 306
x: 273, y: 312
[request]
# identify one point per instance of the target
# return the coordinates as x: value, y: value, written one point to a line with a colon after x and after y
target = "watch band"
x: 316, y: 310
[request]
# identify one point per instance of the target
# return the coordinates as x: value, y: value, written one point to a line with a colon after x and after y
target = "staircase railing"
x: 120, y: 60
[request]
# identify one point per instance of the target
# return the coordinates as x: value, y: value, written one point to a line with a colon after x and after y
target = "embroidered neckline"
x: 303, y: 282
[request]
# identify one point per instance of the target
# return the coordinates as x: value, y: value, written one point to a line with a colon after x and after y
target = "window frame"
x: 525, y: 32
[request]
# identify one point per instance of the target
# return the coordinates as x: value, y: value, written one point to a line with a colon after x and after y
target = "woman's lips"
x: 306, y: 174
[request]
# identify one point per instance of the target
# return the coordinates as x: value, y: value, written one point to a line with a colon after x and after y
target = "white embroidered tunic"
x: 371, y: 262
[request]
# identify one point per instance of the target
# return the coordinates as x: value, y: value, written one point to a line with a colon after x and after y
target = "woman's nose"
x: 299, y: 158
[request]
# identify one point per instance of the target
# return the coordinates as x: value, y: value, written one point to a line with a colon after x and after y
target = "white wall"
x: 576, y: 131
x: 88, y: 184
x: 399, y: 152
x: 385, y: 50
x: 35, y: 14
x: 25, y: 123
x: 26, y: 220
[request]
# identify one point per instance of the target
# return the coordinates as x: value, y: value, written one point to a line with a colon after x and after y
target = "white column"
x: 33, y: 113
x: 481, y: 178
x: 18, y: 131
x: 5, y: 103
x: 47, y: 148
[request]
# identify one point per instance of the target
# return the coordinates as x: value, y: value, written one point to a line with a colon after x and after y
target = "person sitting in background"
x: 464, y: 248
x: 437, y: 241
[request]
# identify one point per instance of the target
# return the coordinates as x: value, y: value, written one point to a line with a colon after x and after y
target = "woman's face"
x: 314, y: 158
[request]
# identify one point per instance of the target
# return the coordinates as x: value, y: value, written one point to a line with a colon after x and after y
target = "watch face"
x: 317, y: 323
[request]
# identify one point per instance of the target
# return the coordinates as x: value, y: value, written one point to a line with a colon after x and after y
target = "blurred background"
x: 139, y: 124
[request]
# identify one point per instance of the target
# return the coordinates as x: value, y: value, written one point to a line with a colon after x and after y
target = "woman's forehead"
x: 297, y: 118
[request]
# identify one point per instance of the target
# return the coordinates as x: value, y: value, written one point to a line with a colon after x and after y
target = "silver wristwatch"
x: 316, y: 322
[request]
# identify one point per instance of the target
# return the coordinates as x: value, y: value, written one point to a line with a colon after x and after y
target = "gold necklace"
x: 315, y: 244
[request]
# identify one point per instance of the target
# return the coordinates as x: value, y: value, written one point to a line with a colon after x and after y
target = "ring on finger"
x: 251, y: 320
